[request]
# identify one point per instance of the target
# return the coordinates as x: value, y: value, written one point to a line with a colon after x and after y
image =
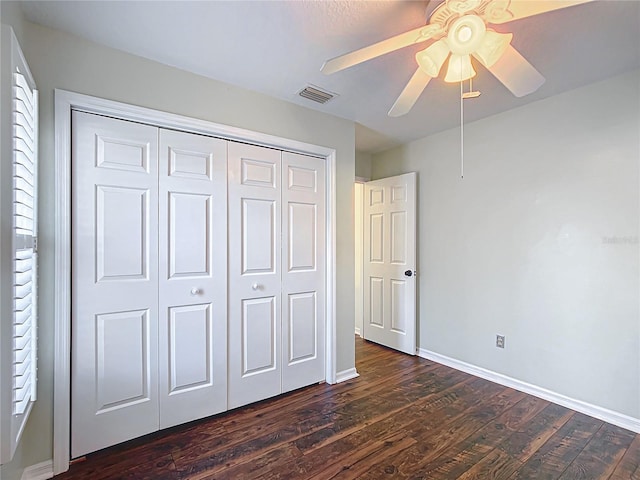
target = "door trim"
x: 65, y: 102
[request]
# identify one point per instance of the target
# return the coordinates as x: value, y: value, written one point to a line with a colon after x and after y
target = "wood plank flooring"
x: 403, y: 418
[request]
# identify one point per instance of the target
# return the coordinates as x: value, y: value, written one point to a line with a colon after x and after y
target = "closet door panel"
x: 121, y: 361
x: 258, y: 335
x: 190, y: 349
x: 114, y: 379
x: 190, y: 235
x: 303, y: 266
x: 192, y: 283
x: 259, y: 237
x: 302, y: 327
x: 254, y: 273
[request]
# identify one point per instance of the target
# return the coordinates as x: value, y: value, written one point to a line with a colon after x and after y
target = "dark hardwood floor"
x: 403, y: 418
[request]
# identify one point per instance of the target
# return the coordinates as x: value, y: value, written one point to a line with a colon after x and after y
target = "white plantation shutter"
x: 25, y: 121
x: 18, y: 234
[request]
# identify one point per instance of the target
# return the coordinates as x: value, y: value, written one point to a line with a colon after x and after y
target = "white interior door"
x: 303, y: 267
x: 192, y: 277
x: 114, y: 282
x: 254, y: 273
x: 390, y: 262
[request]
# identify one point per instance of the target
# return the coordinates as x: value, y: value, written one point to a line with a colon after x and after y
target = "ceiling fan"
x: 459, y: 30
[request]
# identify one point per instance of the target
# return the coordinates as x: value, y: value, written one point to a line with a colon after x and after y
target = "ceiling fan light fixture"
x: 466, y: 34
x: 432, y: 58
x: 493, y: 46
x: 460, y: 69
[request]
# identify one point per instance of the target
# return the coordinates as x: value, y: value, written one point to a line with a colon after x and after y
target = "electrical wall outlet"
x: 500, y: 341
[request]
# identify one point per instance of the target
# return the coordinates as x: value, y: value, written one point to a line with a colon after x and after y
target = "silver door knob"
x: 255, y: 286
x: 195, y: 291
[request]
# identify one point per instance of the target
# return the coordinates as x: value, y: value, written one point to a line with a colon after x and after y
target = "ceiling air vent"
x: 315, y: 94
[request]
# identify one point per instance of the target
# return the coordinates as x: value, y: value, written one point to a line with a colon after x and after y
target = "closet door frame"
x: 65, y: 103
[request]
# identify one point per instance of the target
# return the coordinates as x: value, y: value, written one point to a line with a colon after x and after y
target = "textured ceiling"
x: 278, y: 47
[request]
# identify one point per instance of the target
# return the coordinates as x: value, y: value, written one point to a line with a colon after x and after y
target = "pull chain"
x: 461, y: 132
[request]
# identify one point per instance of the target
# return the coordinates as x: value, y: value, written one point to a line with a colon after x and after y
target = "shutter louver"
x: 25, y: 249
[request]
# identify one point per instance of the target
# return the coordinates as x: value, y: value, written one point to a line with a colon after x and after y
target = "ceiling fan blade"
x: 517, y: 9
x: 347, y: 60
x: 516, y: 73
x: 410, y: 94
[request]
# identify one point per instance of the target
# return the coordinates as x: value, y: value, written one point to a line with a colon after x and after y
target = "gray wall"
x: 59, y: 60
x: 538, y: 242
x: 363, y: 165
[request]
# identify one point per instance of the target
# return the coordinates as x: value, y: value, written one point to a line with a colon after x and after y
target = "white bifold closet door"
x: 148, y: 280
x: 114, y: 357
x: 276, y: 272
x: 303, y: 270
x: 192, y: 277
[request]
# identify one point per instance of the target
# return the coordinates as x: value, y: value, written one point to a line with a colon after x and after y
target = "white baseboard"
x: 345, y: 375
x: 595, y: 411
x: 39, y: 471
x: 358, y: 332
